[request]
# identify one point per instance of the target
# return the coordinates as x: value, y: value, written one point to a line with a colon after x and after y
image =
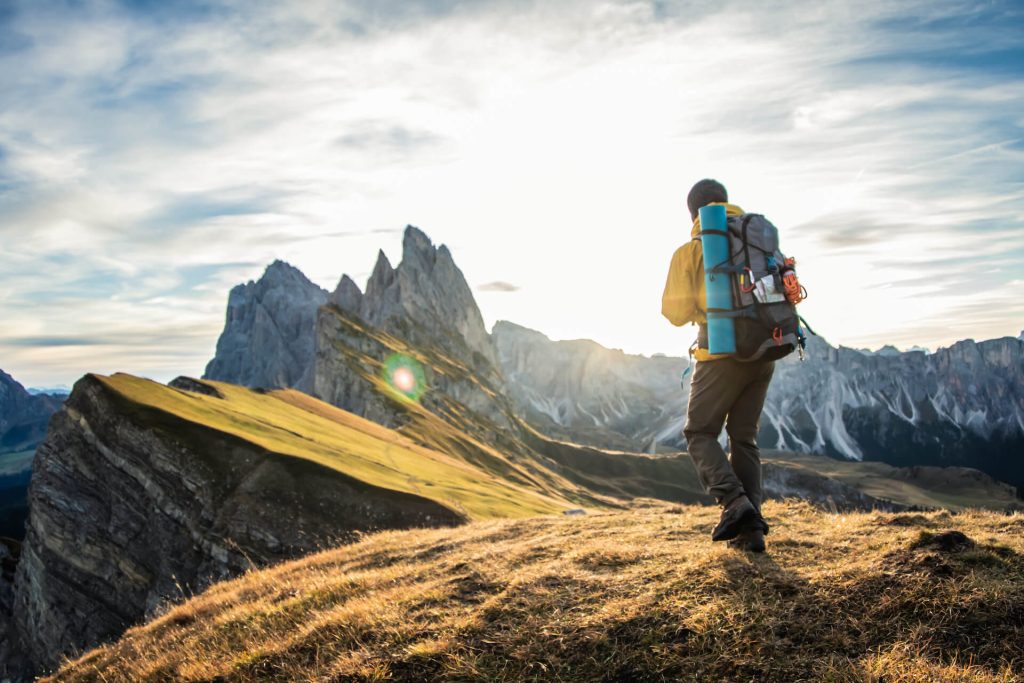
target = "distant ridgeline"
x: 23, y: 420
x: 962, y: 406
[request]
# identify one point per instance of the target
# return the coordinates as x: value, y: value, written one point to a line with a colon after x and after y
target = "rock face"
x: 962, y: 405
x: 23, y: 416
x: 427, y: 301
x: 580, y: 390
x: 423, y: 306
x: 268, y: 336
x: 131, y: 506
x: 276, y: 337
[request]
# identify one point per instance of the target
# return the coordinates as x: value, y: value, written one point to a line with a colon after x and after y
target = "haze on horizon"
x: 153, y: 155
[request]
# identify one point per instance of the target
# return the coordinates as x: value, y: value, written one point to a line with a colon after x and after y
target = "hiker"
x: 725, y: 390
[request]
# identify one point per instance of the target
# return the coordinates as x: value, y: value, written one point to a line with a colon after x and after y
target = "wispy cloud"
x: 498, y: 286
x: 153, y: 154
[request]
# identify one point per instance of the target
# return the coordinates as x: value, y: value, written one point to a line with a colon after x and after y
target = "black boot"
x: 751, y: 537
x: 737, y: 515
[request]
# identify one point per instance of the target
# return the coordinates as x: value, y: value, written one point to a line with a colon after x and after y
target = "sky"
x: 153, y: 154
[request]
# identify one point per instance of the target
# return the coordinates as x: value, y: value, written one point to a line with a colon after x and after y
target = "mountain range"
x: 959, y: 406
x: 327, y: 415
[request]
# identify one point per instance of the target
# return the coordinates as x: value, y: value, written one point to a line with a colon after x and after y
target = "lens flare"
x: 404, y: 376
x: 404, y: 380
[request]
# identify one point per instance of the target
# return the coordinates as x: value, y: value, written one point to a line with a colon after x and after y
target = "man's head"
x: 705, y: 192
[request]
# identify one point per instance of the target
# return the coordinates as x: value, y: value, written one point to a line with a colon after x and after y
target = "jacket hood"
x: 730, y: 210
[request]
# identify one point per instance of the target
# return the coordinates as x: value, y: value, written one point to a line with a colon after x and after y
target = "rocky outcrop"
x: 131, y: 507
x: 268, y: 335
x: 427, y: 301
x: 23, y: 416
x: 422, y: 310
x: 276, y: 337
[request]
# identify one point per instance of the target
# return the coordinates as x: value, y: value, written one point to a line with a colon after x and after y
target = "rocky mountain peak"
x: 270, y: 338
x: 347, y: 295
x: 382, y: 277
x: 417, y: 247
x: 267, y: 339
x: 426, y: 299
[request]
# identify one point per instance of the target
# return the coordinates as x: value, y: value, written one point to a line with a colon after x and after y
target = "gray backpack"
x: 767, y: 324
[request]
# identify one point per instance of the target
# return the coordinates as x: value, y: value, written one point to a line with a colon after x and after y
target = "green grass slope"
x: 295, y: 425
x: 638, y: 595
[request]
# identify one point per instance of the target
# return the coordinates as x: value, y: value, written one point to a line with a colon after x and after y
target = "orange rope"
x: 795, y: 292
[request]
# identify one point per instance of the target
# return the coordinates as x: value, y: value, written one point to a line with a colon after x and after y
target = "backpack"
x: 765, y: 292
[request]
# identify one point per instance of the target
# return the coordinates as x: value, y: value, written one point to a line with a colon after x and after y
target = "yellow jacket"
x: 685, y: 300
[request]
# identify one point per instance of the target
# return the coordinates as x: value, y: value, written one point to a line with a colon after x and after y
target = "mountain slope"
x: 856, y: 597
x: 143, y: 492
x: 960, y: 406
x: 23, y: 416
x: 580, y: 390
x: 23, y: 419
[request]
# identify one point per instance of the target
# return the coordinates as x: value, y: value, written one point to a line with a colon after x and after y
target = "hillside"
x: 856, y: 597
x: 922, y: 486
x: 143, y: 493
x: 290, y: 423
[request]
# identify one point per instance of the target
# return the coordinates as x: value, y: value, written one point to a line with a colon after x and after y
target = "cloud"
x: 382, y: 135
x: 153, y: 154
x: 497, y: 286
x: 51, y: 341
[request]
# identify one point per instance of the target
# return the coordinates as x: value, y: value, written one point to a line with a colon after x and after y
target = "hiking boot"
x: 738, y: 514
x: 749, y: 540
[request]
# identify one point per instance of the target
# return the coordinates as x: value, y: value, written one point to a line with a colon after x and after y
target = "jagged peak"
x: 347, y: 283
x: 415, y: 236
x: 279, y: 266
x: 347, y: 295
x: 282, y: 272
x: 418, y: 250
x: 382, y: 276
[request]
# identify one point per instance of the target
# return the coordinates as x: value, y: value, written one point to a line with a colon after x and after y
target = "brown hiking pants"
x: 732, y: 393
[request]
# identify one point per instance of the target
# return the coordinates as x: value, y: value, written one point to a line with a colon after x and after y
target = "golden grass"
x: 295, y: 425
x: 640, y: 595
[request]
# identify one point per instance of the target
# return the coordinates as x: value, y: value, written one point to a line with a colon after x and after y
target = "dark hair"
x: 705, y: 192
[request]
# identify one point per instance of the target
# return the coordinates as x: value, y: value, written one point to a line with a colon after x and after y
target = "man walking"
x: 723, y: 391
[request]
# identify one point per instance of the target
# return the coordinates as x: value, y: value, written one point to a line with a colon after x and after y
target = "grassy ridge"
x: 861, y: 597
x: 293, y: 424
x: 932, y: 487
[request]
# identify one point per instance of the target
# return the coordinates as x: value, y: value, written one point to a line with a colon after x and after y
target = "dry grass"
x: 640, y: 595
